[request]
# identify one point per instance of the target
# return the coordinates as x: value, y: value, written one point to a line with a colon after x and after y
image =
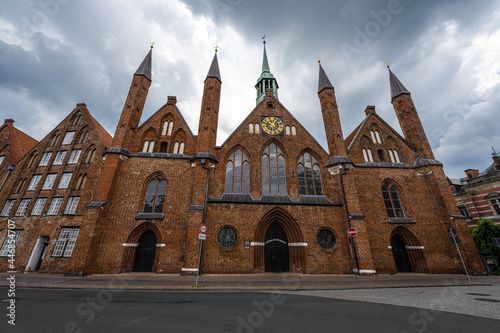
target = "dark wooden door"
x: 276, y: 249
x: 400, y: 255
x: 146, y: 250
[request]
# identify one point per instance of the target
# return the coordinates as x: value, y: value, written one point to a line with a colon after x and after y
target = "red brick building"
x: 478, y: 194
x: 271, y: 197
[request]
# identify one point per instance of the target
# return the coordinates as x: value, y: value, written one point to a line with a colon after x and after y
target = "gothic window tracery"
x: 238, y: 173
x: 155, y: 195
x: 273, y: 170
x: 309, y: 175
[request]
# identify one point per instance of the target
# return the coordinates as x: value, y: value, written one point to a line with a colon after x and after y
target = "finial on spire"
x: 264, y: 39
x: 495, y: 154
x: 387, y: 64
x: 216, y: 48
x: 152, y: 44
x: 319, y: 60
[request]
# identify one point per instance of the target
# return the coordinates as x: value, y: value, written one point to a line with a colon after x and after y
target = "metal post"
x: 463, y: 263
x: 199, y: 263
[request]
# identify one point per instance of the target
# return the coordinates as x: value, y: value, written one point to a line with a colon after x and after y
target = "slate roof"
x: 397, y: 88
x: 323, y: 82
x: 145, y: 67
x: 214, y: 69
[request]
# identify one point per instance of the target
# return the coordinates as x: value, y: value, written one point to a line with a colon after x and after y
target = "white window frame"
x: 38, y: 207
x: 71, y: 205
x: 250, y: 128
x: 65, y: 179
x: 68, y: 138
x: 10, y: 242
x: 294, y: 130
x: 45, y: 158
x: 494, y: 202
x: 34, y: 182
x: 61, y: 154
x: 49, y: 181
x: 23, y: 205
x: 257, y: 128
x: 75, y: 155
x: 8, y: 207
x: 55, y: 205
x: 65, y: 243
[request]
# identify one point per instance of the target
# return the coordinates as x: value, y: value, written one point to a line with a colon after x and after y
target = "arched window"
x: 151, y: 146
x: 294, y: 130
x: 31, y: 161
x: 167, y: 128
x: 146, y: 146
x: 287, y: 130
x: 396, y: 156
x: 367, y: 154
x: 238, y: 173
x: 377, y: 135
x: 176, y: 148
x: 309, y: 176
x: 373, y: 136
x: 163, y: 147
x: 391, y: 155
x: 250, y: 128
x: 392, y: 202
x: 89, y: 158
x: 273, y: 171
x: 155, y: 195
x: 170, y: 128
x: 80, y: 183
x: 257, y: 128
x: 181, y: 148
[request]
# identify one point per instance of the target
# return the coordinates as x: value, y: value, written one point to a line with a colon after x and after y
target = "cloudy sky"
x: 56, y: 53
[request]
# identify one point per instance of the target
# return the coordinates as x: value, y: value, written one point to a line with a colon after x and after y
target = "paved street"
x: 44, y: 310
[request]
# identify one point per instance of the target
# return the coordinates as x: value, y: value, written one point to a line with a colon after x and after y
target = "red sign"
x: 351, y: 232
x: 203, y: 228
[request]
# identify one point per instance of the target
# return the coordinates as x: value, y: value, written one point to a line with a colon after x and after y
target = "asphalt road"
x: 43, y: 310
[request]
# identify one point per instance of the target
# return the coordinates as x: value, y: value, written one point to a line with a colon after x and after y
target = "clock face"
x: 272, y: 125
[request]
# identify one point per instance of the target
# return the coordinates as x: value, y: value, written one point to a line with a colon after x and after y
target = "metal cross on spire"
x: 152, y: 44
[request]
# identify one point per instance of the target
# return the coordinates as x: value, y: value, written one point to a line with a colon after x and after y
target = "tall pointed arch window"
x: 155, y: 196
x: 392, y: 202
x: 309, y: 176
x: 237, y: 173
x: 273, y: 171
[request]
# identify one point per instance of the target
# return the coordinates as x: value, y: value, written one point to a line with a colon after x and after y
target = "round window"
x: 326, y: 239
x: 227, y: 237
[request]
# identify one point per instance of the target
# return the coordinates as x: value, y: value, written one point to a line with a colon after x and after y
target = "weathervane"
x: 152, y: 44
x: 216, y: 48
x: 264, y: 39
x: 387, y: 64
x: 319, y: 59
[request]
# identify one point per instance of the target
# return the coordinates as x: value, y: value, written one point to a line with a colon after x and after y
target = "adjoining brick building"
x: 271, y: 197
x: 478, y: 194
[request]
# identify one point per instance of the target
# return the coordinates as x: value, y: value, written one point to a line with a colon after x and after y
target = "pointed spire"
x: 145, y: 67
x: 214, y: 69
x: 265, y: 62
x: 323, y: 82
x: 397, y: 88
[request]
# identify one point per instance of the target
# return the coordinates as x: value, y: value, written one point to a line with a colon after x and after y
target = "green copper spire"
x: 266, y: 80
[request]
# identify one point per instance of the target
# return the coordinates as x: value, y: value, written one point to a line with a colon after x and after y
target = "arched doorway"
x: 401, y: 258
x: 276, y: 249
x: 278, y: 236
x: 146, y: 250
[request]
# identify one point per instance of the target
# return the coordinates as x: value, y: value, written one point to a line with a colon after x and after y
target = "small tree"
x: 483, y: 233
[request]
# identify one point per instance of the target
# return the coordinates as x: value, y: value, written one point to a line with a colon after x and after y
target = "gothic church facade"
x: 271, y: 197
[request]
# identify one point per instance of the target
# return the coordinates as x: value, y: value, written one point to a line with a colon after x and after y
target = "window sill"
x: 149, y: 216
x: 401, y: 220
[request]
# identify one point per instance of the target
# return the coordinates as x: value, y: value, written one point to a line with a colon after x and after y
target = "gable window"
x: 367, y: 155
x: 34, y: 182
x: 39, y: 204
x: 54, y: 206
x: 49, y: 181
x: 31, y: 161
x: 273, y: 171
x: 148, y: 146
x: 80, y: 183
x: 287, y: 130
x: 10, y: 242
x: 8, y: 207
x: 64, y: 182
x: 65, y: 242
x: 45, y: 158
x: 237, y: 173
x: 83, y: 137
x: 155, y: 196
x: 89, y: 158
x: 309, y: 176
x: 257, y: 128
x: 167, y: 128
x: 294, y: 130
x: 59, y: 157
x: 250, y: 128
x: 393, y: 154
x: 75, y: 155
x: 178, y: 148
x: 22, y: 207
x: 392, y: 202
x: 163, y: 147
x: 71, y: 205
x: 68, y: 137
x: 20, y: 185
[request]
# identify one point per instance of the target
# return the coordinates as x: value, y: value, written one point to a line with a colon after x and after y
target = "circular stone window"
x: 326, y: 239
x: 227, y: 237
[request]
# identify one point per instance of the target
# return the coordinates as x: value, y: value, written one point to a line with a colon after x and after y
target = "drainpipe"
x: 203, y: 162
x: 9, y: 169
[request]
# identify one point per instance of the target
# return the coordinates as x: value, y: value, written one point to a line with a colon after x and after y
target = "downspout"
x: 9, y: 169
